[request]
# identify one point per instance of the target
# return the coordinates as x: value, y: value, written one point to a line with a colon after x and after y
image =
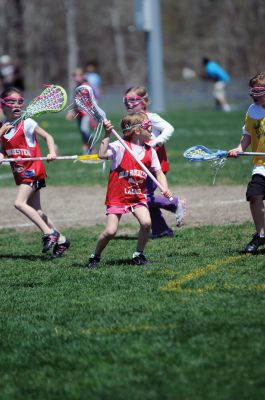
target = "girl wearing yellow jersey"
x: 254, y: 134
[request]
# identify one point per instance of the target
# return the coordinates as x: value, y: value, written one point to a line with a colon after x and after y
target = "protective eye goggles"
x: 257, y: 91
x: 10, y: 101
x: 144, y: 125
x: 131, y: 102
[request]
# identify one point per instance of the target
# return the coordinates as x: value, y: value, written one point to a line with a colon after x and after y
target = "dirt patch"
x: 84, y: 206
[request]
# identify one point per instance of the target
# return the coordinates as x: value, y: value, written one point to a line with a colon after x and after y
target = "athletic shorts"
x: 256, y: 187
x: 35, y: 184
x: 219, y: 90
x: 124, y: 209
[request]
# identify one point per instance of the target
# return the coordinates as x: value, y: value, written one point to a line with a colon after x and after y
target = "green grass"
x: 190, y: 325
x: 210, y: 128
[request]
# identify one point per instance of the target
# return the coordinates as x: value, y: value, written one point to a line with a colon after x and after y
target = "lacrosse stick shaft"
x: 251, y: 153
x: 146, y: 170
x: 7, y: 160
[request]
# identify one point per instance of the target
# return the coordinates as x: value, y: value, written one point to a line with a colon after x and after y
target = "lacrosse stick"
x: 52, y: 99
x: 85, y: 100
x: 202, y: 153
x: 83, y: 158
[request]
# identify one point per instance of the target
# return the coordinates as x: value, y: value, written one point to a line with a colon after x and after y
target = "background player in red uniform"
x: 19, y: 141
x: 126, y: 190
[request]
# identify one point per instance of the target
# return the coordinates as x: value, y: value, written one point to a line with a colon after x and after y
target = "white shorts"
x: 219, y: 90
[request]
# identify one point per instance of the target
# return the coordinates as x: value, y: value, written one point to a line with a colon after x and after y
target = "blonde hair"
x: 129, y: 123
x: 258, y: 80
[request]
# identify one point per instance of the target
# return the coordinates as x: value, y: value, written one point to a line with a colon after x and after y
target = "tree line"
x: 48, y: 38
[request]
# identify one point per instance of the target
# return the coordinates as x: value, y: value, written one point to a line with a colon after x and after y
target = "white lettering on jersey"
x: 133, y: 172
x: 18, y: 152
x: 132, y: 191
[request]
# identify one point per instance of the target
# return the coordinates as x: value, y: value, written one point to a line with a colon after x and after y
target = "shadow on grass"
x: 105, y: 263
x: 125, y: 237
x: 28, y: 257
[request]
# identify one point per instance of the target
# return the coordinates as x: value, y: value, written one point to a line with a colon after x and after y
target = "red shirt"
x: 127, y: 183
x: 17, y: 147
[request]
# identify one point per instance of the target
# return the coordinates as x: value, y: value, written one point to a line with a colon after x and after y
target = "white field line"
x: 217, y: 203
x: 29, y: 224
x: 74, y: 220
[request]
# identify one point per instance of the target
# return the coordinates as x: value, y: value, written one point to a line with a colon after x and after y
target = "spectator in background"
x: 93, y: 78
x: 215, y: 73
x: 10, y: 74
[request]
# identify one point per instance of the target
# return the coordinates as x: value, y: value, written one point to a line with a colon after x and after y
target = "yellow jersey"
x: 255, y: 127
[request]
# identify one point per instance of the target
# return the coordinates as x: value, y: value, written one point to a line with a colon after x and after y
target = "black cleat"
x: 254, y: 244
x: 50, y: 240
x: 59, y: 248
x: 93, y: 261
x: 139, y: 259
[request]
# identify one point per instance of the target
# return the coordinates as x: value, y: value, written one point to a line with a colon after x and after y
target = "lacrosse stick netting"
x: 217, y: 158
x: 53, y: 99
x: 85, y: 100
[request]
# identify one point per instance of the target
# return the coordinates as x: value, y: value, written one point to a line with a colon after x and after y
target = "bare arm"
x: 103, y: 148
x: 161, y: 177
x: 243, y: 145
x: 49, y: 141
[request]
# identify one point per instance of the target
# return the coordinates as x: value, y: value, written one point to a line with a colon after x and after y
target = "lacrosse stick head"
x: 52, y: 99
x: 85, y: 101
x: 202, y: 153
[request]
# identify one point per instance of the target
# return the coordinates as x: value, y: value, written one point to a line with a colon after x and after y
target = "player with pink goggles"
x: 133, y: 102
x: 12, y: 102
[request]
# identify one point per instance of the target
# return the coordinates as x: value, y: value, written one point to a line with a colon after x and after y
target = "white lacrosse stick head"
x: 85, y: 101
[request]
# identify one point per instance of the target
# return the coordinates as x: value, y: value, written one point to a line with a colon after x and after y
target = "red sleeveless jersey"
x: 162, y: 156
x: 17, y: 147
x: 127, y: 183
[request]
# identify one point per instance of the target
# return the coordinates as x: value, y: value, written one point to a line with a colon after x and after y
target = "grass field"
x: 188, y: 326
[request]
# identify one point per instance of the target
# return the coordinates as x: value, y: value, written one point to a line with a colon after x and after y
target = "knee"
x: 18, y: 205
x: 41, y: 214
x: 109, y: 233
x: 146, y: 225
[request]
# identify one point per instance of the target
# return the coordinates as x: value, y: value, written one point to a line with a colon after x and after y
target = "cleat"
x: 59, y: 248
x: 50, y: 240
x: 181, y: 212
x: 254, y: 244
x: 93, y: 261
x: 139, y: 259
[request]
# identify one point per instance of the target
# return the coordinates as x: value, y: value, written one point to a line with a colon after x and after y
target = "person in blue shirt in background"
x: 93, y: 78
x: 215, y: 73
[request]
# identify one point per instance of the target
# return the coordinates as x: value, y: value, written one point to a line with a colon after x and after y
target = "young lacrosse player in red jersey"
x: 126, y: 190
x: 19, y: 141
x: 136, y: 100
x: 254, y: 135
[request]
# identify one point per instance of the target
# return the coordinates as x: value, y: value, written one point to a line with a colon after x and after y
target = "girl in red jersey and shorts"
x: 126, y: 190
x: 136, y: 99
x: 19, y: 141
